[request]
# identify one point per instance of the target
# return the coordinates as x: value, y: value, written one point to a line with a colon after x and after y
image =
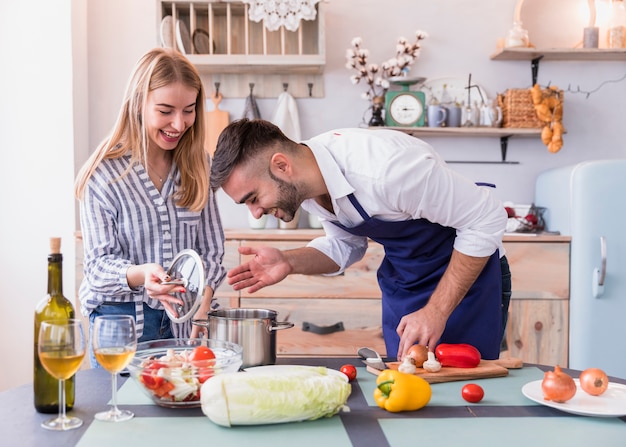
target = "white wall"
x: 39, y: 143
x: 36, y: 109
x: 462, y: 37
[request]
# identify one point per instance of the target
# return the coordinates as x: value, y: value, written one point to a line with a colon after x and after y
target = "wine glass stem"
x: 62, y: 415
x: 114, y: 392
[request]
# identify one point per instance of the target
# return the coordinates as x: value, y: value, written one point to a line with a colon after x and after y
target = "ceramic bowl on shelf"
x: 171, y: 371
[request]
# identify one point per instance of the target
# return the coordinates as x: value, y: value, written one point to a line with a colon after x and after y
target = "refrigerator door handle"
x: 599, y: 275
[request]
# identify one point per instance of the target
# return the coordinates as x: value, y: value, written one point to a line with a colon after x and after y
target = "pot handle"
x: 281, y: 325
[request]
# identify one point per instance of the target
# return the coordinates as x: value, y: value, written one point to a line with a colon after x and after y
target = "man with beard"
x: 444, y: 277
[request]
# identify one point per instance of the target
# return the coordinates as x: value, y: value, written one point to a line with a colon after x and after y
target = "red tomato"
x: 203, y: 358
x: 472, y: 393
x: 349, y: 371
x: 149, y: 375
x: 594, y: 381
x: 200, y: 353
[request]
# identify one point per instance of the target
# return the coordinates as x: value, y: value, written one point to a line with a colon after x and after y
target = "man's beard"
x: 288, y: 198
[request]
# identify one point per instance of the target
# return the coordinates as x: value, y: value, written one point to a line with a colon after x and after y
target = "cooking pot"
x: 253, y: 329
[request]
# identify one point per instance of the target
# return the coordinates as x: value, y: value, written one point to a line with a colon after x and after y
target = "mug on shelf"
x: 436, y: 115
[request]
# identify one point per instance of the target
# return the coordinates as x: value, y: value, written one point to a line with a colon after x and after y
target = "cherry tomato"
x: 472, y: 393
x: 203, y: 358
x: 349, y: 371
x: 594, y: 381
x: 201, y: 353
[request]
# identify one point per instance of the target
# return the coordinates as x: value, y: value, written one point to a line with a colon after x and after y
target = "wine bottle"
x: 53, y: 306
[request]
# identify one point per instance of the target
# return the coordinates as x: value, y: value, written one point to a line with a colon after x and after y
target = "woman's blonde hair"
x: 158, y: 68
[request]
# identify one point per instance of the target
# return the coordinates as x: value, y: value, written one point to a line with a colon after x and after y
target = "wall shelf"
x: 236, y: 51
x: 560, y: 54
x: 472, y: 132
x: 535, y: 55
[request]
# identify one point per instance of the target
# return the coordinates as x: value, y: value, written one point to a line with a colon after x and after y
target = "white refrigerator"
x: 587, y: 201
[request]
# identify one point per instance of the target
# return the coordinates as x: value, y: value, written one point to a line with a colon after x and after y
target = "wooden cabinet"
x: 350, y: 301
x: 537, y: 331
x: 538, y: 326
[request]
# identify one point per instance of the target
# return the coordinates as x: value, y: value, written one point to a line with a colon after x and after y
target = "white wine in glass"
x: 114, y: 342
x: 61, y: 351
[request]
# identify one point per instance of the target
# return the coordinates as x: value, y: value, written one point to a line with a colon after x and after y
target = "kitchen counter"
x: 504, y: 416
x: 306, y: 234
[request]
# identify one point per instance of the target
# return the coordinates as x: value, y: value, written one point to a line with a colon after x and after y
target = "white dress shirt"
x: 397, y: 177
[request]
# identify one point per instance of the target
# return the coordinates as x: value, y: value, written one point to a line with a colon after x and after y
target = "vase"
x: 377, y: 111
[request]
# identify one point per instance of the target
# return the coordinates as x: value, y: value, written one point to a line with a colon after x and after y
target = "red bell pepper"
x: 458, y: 355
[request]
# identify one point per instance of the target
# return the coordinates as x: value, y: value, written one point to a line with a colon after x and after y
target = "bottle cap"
x: 55, y: 245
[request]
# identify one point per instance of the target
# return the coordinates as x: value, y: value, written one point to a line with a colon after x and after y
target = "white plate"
x: 612, y: 403
x: 456, y: 88
x: 182, y: 37
x: 167, y: 32
x: 278, y: 369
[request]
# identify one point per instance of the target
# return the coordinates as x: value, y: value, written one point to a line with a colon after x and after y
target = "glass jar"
x: 616, y: 34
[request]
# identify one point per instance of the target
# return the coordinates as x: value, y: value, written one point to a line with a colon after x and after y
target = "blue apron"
x: 417, y: 253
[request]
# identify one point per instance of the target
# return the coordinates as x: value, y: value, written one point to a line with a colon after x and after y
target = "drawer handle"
x: 322, y: 330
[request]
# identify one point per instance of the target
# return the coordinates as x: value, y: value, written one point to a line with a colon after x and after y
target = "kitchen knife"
x: 372, y: 358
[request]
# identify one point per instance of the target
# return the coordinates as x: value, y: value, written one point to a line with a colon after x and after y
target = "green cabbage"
x: 273, y: 395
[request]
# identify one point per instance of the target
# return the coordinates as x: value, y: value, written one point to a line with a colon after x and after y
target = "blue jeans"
x: 156, y: 323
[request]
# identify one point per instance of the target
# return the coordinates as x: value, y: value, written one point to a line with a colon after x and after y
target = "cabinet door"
x: 352, y: 299
x: 358, y: 281
x: 537, y: 331
x: 359, y: 322
x: 538, y: 325
x: 225, y: 294
x: 539, y: 270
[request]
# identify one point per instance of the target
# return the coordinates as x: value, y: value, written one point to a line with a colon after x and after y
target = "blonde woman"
x: 144, y: 196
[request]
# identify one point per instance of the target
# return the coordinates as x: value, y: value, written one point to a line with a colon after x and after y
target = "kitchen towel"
x: 286, y: 116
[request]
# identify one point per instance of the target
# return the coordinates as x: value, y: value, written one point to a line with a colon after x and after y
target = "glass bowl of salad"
x: 172, y: 371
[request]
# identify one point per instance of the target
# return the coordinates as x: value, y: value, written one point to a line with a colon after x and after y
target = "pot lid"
x: 187, y: 268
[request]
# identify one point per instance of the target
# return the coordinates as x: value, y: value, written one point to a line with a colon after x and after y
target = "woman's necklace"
x: 161, y: 180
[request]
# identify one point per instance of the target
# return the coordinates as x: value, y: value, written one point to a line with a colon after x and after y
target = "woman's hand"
x: 153, y: 276
x: 267, y: 267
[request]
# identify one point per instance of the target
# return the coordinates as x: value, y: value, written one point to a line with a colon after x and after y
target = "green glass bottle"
x: 53, y: 306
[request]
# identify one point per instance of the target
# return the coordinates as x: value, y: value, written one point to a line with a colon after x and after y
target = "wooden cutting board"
x: 216, y: 121
x: 485, y: 369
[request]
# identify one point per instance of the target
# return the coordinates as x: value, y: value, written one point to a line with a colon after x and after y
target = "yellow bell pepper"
x: 397, y: 391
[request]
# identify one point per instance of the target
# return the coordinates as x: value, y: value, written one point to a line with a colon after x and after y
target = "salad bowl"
x: 172, y: 371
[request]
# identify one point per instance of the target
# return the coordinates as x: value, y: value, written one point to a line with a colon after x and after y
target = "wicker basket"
x: 518, y: 110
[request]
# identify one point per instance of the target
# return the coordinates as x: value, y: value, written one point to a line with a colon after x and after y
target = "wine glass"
x: 61, y: 350
x: 114, y: 342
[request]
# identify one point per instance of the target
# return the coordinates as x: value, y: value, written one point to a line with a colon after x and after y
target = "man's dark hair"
x: 240, y: 142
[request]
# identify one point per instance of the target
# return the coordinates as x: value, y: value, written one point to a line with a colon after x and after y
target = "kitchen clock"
x: 405, y: 108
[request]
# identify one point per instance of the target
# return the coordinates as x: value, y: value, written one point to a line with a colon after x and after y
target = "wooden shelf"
x: 560, y: 54
x: 476, y: 132
x: 258, y: 64
x: 242, y: 52
x: 479, y: 132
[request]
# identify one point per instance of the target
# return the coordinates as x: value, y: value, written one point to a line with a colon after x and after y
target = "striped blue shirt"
x: 126, y: 221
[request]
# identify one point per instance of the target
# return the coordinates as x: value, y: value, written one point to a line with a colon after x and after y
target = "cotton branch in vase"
x: 377, y: 76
